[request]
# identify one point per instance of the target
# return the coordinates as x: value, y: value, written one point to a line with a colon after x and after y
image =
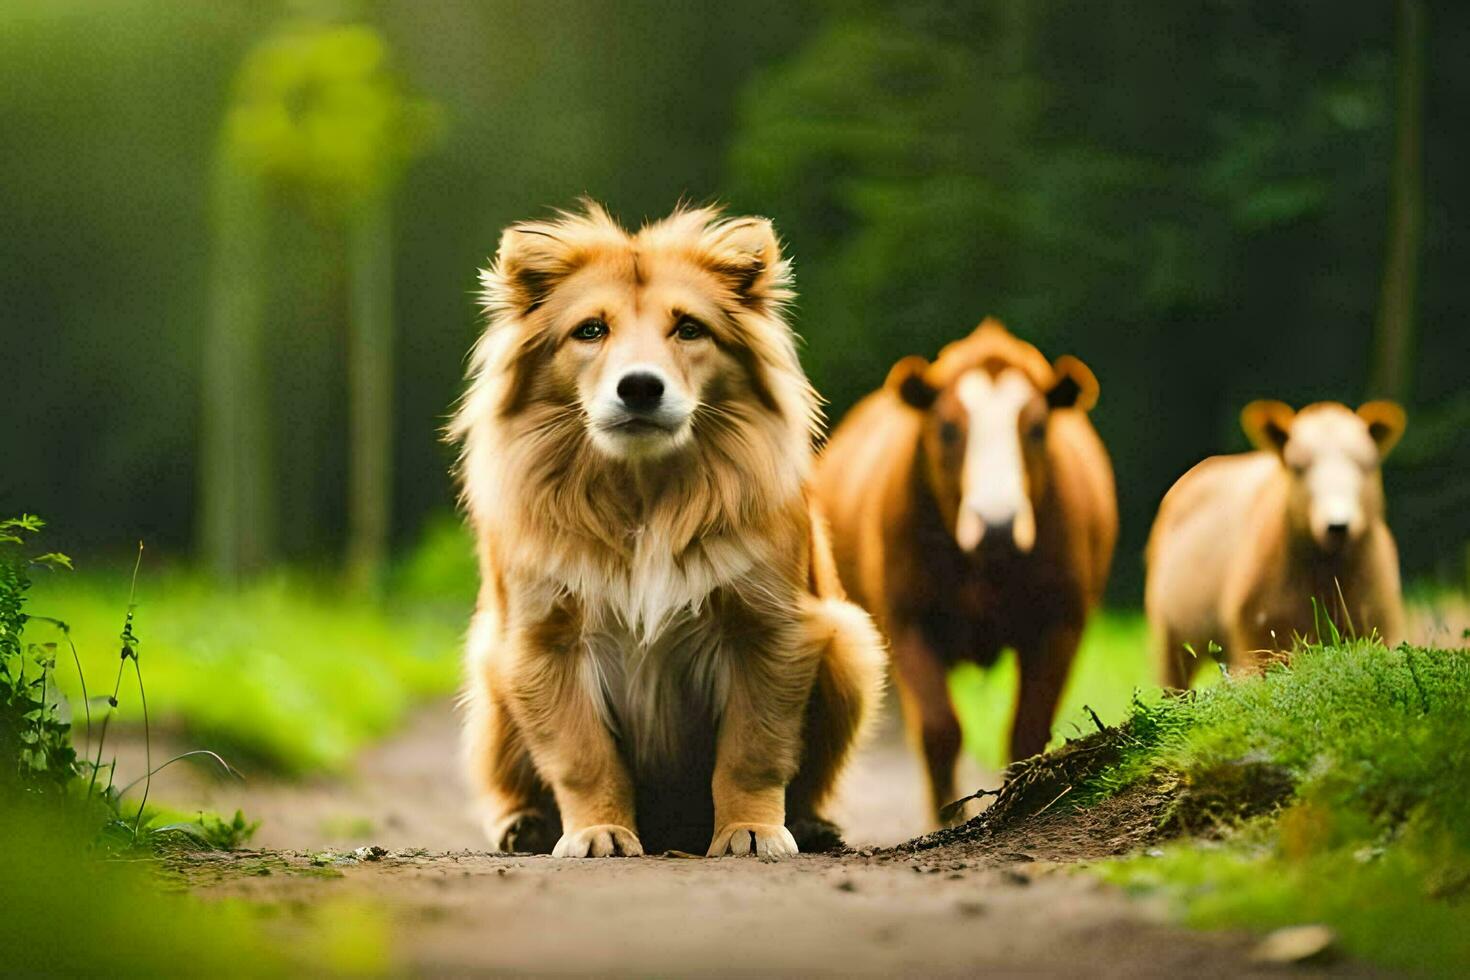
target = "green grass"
x: 284, y: 672
x: 1375, y: 842
x: 70, y: 912
x: 1112, y: 663
x: 80, y: 869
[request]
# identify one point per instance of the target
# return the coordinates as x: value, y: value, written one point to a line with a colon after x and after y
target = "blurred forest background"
x: 240, y: 239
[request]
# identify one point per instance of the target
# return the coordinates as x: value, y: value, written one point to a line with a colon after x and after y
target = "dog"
x: 661, y: 655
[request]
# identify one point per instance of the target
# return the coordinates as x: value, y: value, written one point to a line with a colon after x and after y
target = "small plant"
x: 208, y: 830
x: 32, y: 731
x: 38, y: 758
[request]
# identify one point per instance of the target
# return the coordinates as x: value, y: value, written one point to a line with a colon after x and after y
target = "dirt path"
x: 407, y: 792
x: 451, y: 909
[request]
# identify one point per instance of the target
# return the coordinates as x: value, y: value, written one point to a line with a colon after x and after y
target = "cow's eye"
x: 594, y: 328
x: 949, y: 433
x: 689, y: 328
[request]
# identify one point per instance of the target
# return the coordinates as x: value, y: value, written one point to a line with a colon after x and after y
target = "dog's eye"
x: 593, y: 329
x: 949, y: 433
x: 689, y: 328
x: 1037, y: 432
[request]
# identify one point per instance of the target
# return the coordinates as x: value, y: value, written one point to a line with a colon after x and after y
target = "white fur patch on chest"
x: 660, y: 587
x: 655, y: 661
x: 655, y: 588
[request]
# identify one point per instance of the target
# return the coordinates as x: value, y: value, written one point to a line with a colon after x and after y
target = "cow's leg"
x: 1045, y: 663
x: 923, y: 688
x: 1175, y: 665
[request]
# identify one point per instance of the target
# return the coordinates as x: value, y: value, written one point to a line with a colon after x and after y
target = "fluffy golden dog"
x: 661, y: 655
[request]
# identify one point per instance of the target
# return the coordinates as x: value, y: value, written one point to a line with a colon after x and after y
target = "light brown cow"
x: 1242, y: 544
x: 973, y: 509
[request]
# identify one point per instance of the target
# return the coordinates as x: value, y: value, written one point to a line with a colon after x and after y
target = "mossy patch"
x: 1334, y: 788
x: 195, y: 869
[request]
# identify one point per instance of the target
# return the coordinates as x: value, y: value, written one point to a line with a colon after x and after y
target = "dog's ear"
x: 908, y: 379
x: 1267, y: 424
x: 533, y: 257
x: 1386, y: 421
x: 1073, y: 385
x: 746, y: 253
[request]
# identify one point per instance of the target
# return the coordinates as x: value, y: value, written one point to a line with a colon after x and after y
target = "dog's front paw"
x: 764, y: 840
x: 599, y: 841
x: 524, y: 831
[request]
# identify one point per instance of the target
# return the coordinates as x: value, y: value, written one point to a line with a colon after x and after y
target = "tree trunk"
x: 370, y: 386
x: 1393, y: 348
x: 237, y: 510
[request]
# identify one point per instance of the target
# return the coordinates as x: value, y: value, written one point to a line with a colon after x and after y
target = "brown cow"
x: 1242, y: 544
x: 972, y: 508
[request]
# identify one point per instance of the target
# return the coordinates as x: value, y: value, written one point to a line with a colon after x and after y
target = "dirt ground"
x: 1011, y: 906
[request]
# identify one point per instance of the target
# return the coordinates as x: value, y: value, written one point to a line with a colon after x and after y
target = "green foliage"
x: 39, y: 765
x: 203, y: 829
x: 908, y: 147
x: 68, y: 912
x: 71, y: 906
x: 1363, y: 729
x: 36, y: 754
x: 441, y: 571
x: 1399, y: 906
x: 120, y: 924
x: 1375, y: 841
x: 283, y: 672
x: 318, y: 109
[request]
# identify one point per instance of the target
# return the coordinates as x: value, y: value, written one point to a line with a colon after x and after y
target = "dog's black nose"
x: 641, y: 391
x: 1337, y: 531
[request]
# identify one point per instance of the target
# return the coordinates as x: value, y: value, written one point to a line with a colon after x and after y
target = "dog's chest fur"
x: 656, y: 694
x: 658, y: 590
x: 654, y: 641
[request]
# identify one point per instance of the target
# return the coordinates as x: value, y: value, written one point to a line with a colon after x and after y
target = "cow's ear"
x: 909, y: 380
x: 1073, y: 385
x: 1267, y: 424
x: 1386, y: 421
